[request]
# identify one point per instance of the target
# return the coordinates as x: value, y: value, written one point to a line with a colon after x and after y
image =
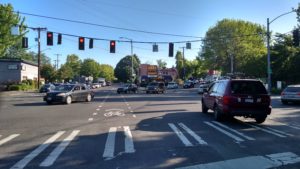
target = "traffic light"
x: 188, y: 45
x: 155, y: 48
x: 91, y: 44
x: 59, y: 37
x: 24, y: 42
x: 81, y: 43
x: 171, y: 49
x: 50, y: 38
x: 112, y: 46
x: 296, y: 37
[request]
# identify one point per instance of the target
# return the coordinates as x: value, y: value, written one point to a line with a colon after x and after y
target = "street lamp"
x: 268, y: 46
x: 131, y: 56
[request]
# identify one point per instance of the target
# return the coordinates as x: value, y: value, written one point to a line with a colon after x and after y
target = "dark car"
x: 188, y: 85
x: 237, y: 97
x: 156, y: 87
x: 291, y: 94
x: 69, y: 93
x: 127, y: 88
x: 108, y: 83
x: 47, y: 88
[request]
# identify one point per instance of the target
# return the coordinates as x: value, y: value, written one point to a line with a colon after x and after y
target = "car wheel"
x: 68, y: 100
x: 125, y: 92
x: 217, y: 114
x: 204, y: 108
x: 284, y: 102
x: 118, y: 92
x: 89, y: 98
x: 147, y: 92
x: 49, y: 102
x: 260, y: 119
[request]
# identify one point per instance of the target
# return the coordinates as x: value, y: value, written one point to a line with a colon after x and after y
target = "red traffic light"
x: 112, y: 46
x: 112, y: 43
x: 81, y: 40
x: 49, y: 38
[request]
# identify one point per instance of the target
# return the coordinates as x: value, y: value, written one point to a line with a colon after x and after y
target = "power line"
x: 106, y: 26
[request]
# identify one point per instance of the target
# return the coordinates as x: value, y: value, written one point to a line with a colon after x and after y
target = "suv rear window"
x: 292, y: 89
x: 247, y: 87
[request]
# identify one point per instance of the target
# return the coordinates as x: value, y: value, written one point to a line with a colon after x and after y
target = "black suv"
x: 127, y: 88
x: 237, y: 97
x: 156, y: 87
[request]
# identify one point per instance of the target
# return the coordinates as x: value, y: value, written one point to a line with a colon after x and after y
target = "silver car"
x: 290, y: 94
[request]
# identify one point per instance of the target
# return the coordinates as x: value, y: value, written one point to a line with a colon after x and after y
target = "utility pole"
x: 183, y: 62
x: 269, y: 70
x: 39, y: 53
x: 57, y: 61
x: 231, y: 62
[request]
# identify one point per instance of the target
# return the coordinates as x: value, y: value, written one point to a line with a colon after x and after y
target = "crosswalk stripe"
x: 129, y: 147
x: 280, y: 132
x: 233, y: 130
x: 7, y: 139
x: 59, y: 149
x: 238, y: 139
x: 266, y: 130
x: 110, y: 143
x: 22, y: 163
x: 184, y: 140
x: 193, y: 134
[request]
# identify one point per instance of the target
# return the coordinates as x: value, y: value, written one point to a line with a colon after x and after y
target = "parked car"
x: 69, y: 93
x: 237, y: 97
x: 47, y: 88
x: 172, y: 85
x: 156, y: 87
x: 127, y: 88
x: 108, y: 83
x: 291, y: 94
x: 202, y: 87
x: 188, y: 85
x: 96, y: 85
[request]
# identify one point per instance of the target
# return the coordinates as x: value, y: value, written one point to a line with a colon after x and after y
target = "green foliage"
x: 90, y: 67
x: 65, y: 73
x: 107, y: 72
x: 48, y: 72
x: 14, y: 87
x: 74, y: 62
x: 8, y: 19
x: 123, y: 68
x: 241, y: 39
x: 161, y: 63
x: 179, y: 64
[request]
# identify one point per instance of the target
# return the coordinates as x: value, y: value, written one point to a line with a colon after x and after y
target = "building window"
x: 24, y: 78
x: 12, y: 67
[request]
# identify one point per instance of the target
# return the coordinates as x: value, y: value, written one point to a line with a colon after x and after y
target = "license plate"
x: 49, y: 98
x: 249, y: 100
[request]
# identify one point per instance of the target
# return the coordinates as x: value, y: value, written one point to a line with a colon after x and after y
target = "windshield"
x: 64, y: 88
x: 247, y: 87
x: 292, y: 89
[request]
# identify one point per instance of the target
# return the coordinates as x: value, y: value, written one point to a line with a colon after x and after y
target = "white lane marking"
x: 129, y: 147
x: 91, y: 119
x: 131, y: 111
x: 281, y: 132
x: 134, y: 116
x: 59, y: 149
x: 100, y: 106
x: 98, y: 109
x: 110, y: 143
x: 236, y: 138
x: 7, y: 139
x: 233, y: 130
x: 294, y: 127
x: 184, y: 140
x: 22, y: 163
x: 266, y: 130
x: 284, y: 158
x: 193, y: 134
x: 261, y: 162
x: 95, y: 114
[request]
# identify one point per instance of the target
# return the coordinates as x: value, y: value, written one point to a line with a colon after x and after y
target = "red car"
x: 237, y: 97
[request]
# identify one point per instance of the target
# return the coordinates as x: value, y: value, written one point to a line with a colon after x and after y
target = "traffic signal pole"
x: 269, y: 70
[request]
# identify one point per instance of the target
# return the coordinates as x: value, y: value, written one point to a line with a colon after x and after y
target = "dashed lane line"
x: 7, y: 139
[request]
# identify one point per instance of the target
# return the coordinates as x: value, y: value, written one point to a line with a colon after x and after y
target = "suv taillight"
x: 282, y: 93
x: 226, y: 99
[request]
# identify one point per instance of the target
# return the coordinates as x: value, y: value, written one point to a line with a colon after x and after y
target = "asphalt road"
x: 140, y: 131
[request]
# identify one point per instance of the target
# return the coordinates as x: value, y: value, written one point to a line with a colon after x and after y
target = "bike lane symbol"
x: 114, y: 112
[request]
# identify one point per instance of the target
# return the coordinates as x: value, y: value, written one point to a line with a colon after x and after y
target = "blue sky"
x: 185, y: 17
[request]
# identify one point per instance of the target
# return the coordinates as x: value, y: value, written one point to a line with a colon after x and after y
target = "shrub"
x: 14, y: 87
x: 276, y: 91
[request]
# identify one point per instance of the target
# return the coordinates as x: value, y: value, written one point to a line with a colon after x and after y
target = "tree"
x: 8, y: 19
x: 179, y: 64
x: 161, y: 63
x: 239, y: 39
x: 74, y: 62
x: 90, y: 67
x: 48, y: 72
x: 65, y: 73
x: 107, y: 72
x: 123, y: 68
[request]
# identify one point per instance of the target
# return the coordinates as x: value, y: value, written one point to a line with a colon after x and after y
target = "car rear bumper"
x: 248, y: 112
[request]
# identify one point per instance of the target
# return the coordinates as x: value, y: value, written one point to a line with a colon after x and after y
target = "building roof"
x: 18, y: 60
